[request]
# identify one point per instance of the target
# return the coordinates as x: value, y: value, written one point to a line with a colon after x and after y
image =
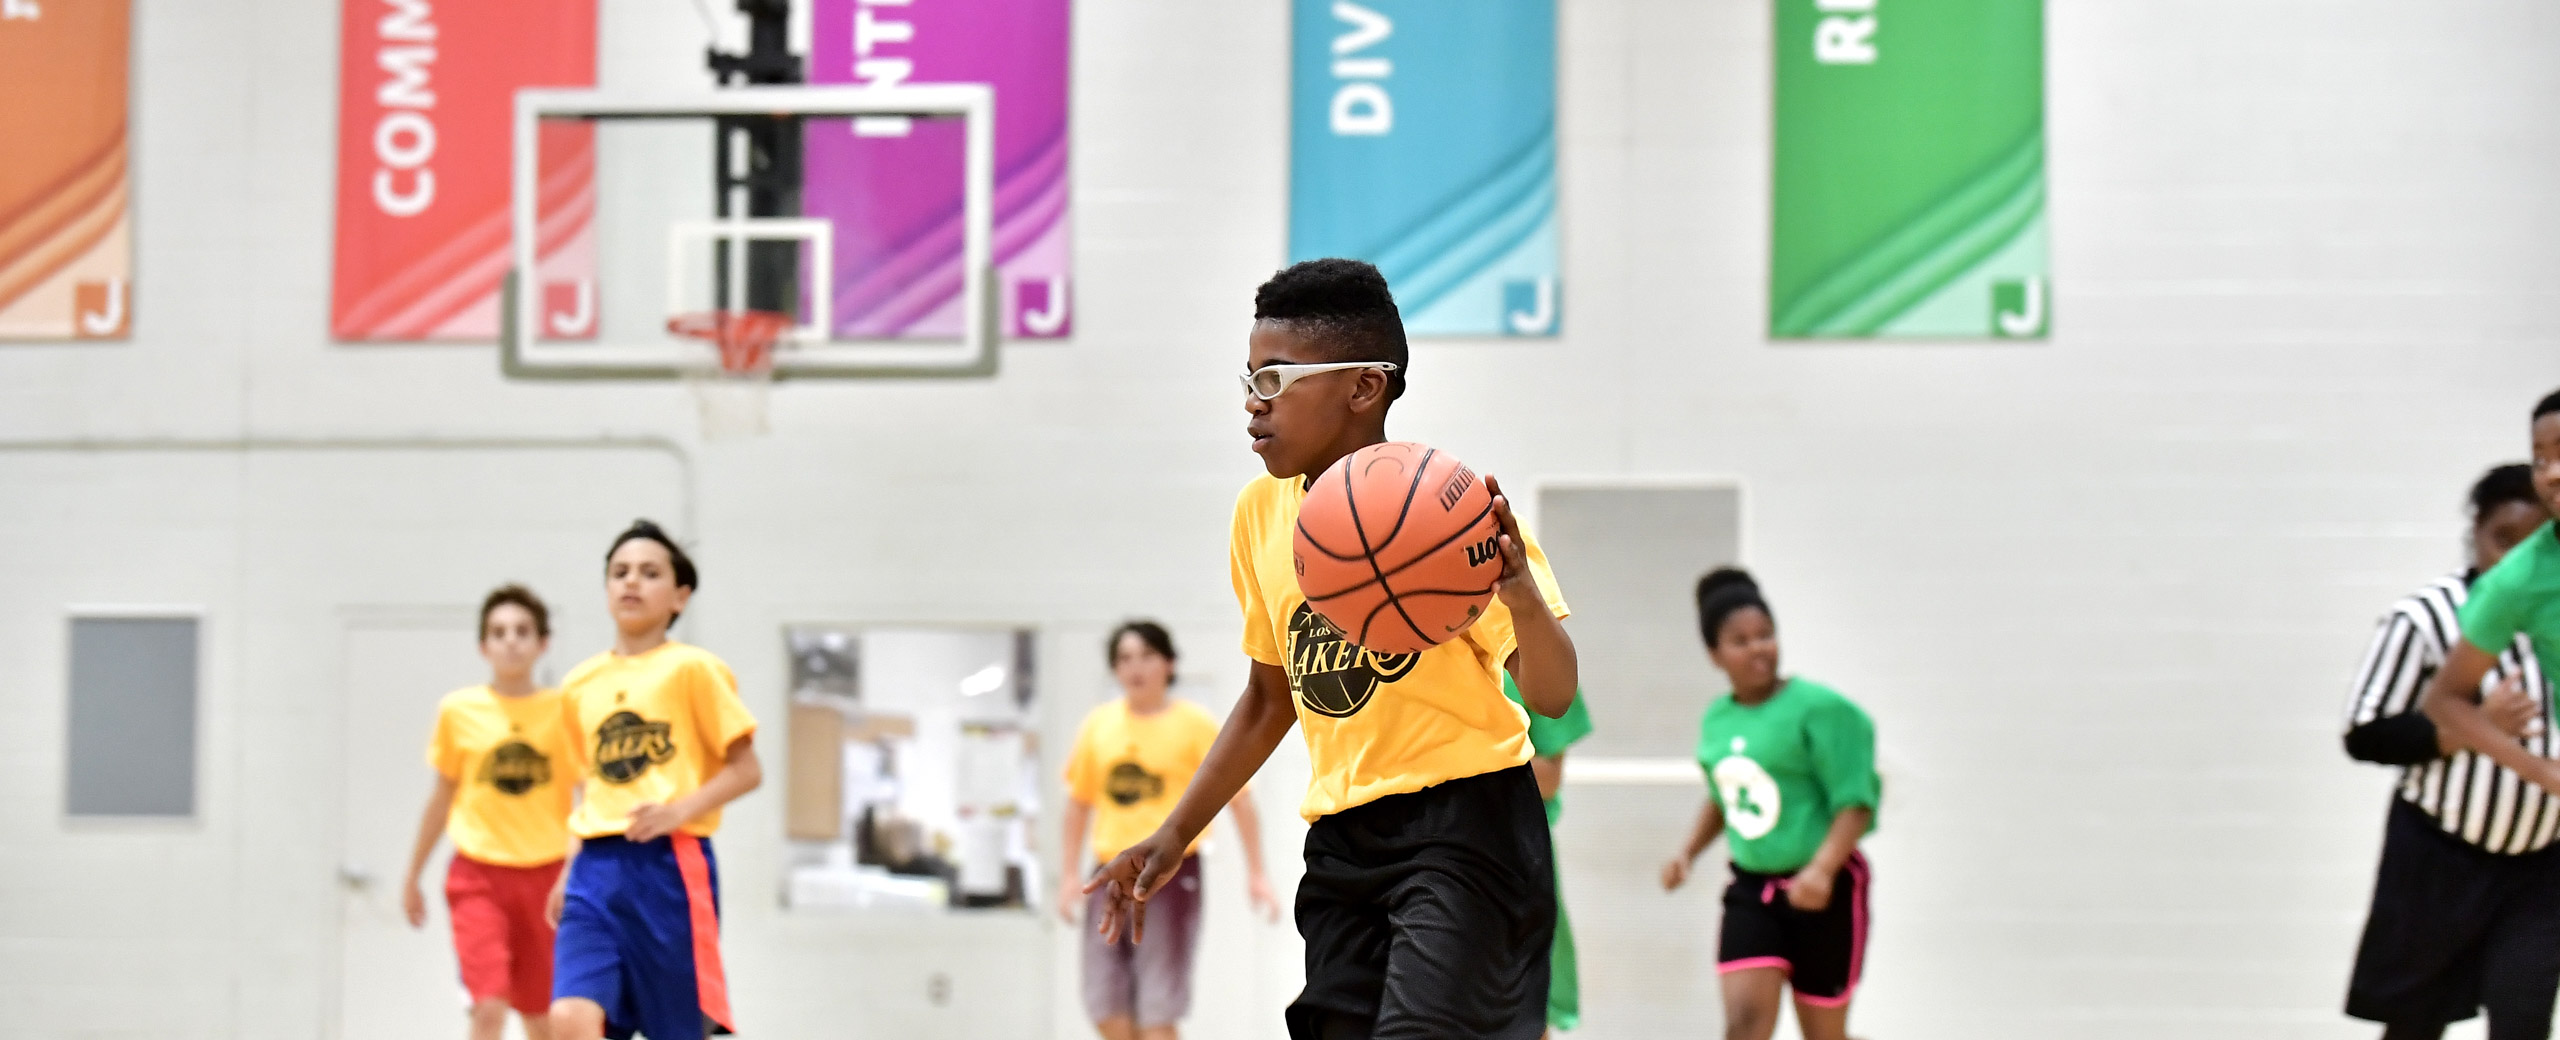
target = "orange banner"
x: 426, y: 96
x: 66, y: 236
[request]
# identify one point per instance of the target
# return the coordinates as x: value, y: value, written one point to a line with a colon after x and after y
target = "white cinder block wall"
x: 2102, y: 593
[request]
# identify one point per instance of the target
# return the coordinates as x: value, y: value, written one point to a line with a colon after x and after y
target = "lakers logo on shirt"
x: 1129, y: 783
x: 1751, y: 803
x: 1334, y: 676
x: 627, y: 745
x: 515, y: 768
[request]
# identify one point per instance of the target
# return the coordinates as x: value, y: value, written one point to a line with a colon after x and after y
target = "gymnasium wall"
x: 2101, y: 594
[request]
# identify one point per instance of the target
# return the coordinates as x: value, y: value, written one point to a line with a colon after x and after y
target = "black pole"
x: 767, y: 182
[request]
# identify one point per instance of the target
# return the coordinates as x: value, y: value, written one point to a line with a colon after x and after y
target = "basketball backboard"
x: 630, y: 210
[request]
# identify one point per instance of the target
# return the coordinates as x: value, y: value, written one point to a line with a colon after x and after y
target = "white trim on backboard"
x: 523, y: 351
x: 819, y: 235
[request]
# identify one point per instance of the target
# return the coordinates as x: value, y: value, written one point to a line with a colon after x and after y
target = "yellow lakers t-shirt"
x: 1132, y: 768
x: 649, y: 729
x: 511, y: 785
x: 1376, y: 724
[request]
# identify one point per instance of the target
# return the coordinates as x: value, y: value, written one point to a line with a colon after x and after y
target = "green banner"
x: 1908, y: 189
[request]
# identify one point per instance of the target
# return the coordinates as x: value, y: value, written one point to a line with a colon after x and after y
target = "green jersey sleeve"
x: 1843, y: 742
x: 2494, y: 611
x: 1551, y: 736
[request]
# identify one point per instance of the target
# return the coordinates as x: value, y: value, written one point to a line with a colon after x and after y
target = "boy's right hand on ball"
x: 1130, y: 878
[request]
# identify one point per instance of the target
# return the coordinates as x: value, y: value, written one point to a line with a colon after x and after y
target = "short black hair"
x: 517, y: 595
x: 2500, y: 486
x: 1342, y: 305
x: 2550, y: 405
x: 686, y: 576
x: 1723, y: 591
x: 1148, y: 632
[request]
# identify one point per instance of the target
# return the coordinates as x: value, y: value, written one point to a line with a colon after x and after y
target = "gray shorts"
x: 1149, y: 981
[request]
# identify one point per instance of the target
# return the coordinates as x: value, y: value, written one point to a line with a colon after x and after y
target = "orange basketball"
x: 1395, y: 547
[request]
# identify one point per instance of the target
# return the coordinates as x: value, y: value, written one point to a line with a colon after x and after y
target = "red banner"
x: 426, y: 98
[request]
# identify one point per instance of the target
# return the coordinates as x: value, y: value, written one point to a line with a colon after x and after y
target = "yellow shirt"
x: 1376, y: 724
x: 510, y: 797
x: 649, y: 729
x: 1132, y: 768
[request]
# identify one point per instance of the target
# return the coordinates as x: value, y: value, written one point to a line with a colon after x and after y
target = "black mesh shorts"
x: 2455, y: 929
x: 1429, y: 915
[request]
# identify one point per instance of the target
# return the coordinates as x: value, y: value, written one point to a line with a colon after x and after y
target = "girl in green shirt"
x: 1792, y: 783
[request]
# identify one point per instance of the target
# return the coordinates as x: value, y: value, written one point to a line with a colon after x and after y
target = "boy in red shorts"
x: 502, y: 791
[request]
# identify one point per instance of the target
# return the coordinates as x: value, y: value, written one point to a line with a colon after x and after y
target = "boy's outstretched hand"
x: 1130, y: 879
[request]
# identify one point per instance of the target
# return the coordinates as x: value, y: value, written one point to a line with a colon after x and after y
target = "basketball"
x: 1396, y: 547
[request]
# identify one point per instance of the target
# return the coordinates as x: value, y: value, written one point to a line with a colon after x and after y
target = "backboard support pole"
x: 756, y: 160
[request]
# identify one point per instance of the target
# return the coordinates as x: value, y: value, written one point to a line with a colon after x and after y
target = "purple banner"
x: 892, y: 187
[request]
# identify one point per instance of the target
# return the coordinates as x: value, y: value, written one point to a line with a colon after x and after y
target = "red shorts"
x: 498, y: 931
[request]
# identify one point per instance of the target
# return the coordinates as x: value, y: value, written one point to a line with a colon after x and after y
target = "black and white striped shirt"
x: 2475, y: 799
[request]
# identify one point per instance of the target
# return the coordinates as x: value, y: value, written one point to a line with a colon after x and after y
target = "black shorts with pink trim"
x: 1821, y: 951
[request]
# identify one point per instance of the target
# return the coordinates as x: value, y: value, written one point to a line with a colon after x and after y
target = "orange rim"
x: 745, y: 338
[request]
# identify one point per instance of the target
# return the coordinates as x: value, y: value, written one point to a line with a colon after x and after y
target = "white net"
x: 735, y: 400
x: 734, y: 404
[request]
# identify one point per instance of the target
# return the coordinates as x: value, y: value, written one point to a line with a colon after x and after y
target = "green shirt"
x: 1549, y: 737
x: 1783, y: 768
x: 2520, y: 594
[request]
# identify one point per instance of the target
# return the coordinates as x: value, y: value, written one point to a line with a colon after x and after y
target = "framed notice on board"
x: 66, y: 222
x: 1422, y: 138
x: 1909, y: 187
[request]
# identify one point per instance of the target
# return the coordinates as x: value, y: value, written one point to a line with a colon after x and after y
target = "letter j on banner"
x: 1422, y: 138
x: 1909, y: 190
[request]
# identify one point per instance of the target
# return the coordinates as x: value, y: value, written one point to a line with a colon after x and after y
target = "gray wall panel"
x: 132, y: 736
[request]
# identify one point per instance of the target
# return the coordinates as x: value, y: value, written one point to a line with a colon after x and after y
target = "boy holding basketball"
x: 1428, y: 903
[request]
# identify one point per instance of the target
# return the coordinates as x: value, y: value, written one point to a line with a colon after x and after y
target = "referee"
x: 2466, y: 905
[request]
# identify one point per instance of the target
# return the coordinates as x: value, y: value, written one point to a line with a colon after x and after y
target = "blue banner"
x: 1422, y: 139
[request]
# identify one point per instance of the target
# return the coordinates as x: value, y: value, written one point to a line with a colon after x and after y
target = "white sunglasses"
x: 1269, y: 381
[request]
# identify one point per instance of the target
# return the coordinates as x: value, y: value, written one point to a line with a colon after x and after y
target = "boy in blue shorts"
x: 660, y: 742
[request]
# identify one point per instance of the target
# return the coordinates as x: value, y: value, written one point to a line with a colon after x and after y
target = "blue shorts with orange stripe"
x: 640, y: 936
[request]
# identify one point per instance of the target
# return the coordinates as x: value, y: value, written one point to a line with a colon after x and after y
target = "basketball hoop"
x: 734, y: 401
x: 745, y: 338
